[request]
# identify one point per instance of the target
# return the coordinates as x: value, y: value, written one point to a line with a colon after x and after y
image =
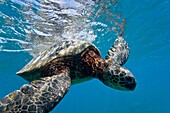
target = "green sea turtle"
x: 69, y: 62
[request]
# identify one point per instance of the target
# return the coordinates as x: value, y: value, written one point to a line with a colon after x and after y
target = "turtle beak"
x: 130, y: 84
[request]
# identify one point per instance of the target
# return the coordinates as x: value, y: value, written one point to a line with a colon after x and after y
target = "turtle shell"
x: 63, y: 49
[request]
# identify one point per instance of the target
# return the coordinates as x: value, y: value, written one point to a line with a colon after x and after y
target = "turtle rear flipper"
x: 119, y: 52
x: 41, y: 96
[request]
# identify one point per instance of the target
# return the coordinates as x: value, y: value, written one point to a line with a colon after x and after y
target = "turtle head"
x: 118, y: 77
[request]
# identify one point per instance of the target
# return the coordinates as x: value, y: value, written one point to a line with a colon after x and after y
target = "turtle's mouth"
x: 130, y: 86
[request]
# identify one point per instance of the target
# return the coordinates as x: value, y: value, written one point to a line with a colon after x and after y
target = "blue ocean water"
x: 147, y: 32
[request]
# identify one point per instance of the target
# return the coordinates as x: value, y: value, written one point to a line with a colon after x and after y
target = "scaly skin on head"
x: 118, y: 77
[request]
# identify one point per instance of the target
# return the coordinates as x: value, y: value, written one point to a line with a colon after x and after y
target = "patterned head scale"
x: 120, y: 78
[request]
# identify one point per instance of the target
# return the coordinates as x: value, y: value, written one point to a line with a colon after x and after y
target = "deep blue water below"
x: 147, y: 31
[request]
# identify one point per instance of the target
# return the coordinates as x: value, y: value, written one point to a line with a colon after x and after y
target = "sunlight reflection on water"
x: 36, y: 24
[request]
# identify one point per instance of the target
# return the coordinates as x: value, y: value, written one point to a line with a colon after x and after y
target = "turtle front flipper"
x: 119, y: 52
x: 41, y: 96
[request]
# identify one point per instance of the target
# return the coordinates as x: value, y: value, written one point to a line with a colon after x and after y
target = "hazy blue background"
x: 147, y: 31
